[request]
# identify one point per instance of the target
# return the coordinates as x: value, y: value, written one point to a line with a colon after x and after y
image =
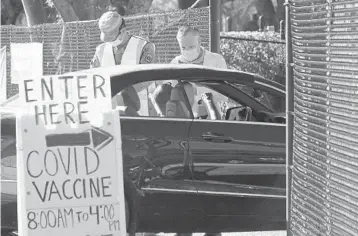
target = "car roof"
x: 124, y: 75
x: 119, y: 70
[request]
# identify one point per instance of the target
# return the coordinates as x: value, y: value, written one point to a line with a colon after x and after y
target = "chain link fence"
x: 325, y: 161
x: 79, y: 39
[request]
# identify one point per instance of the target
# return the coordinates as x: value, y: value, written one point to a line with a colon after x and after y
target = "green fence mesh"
x: 81, y: 39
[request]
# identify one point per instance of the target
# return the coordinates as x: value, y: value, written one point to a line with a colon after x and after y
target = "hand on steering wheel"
x: 246, y: 114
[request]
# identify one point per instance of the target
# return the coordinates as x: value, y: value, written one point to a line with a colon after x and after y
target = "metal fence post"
x: 289, y: 116
x: 261, y: 23
x: 282, y: 29
x: 215, y: 10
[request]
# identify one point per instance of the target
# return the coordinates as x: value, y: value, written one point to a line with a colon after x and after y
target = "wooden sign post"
x: 69, y: 158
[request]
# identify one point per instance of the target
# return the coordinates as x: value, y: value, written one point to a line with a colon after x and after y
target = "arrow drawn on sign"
x: 100, y: 139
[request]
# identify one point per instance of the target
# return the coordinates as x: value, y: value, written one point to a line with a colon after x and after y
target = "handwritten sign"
x: 69, y: 158
x: 3, y: 84
x: 26, y: 61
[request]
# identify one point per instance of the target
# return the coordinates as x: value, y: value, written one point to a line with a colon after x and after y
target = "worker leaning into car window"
x: 119, y: 47
x: 192, y: 52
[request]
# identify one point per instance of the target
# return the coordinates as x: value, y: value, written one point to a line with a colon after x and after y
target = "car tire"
x: 9, y: 233
x: 127, y: 213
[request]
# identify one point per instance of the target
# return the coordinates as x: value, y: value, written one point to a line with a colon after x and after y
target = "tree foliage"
x: 35, y: 13
x: 245, y: 14
x: 10, y: 9
x: 185, y: 4
x: 65, y: 9
x: 50, y: 11
x: 12, y: 12
x: 261, y: 53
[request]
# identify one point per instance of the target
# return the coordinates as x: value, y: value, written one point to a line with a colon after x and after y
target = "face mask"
x: 190, y: 55
x: 117, y: 41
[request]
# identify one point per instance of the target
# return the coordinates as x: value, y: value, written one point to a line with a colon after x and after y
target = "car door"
x: 239, y: 171
x: 8, y: 174
x: 156, y: 159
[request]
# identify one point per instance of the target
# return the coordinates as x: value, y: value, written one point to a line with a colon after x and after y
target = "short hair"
x: 184, y: 30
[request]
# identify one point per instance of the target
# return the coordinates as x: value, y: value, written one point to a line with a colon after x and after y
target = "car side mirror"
x: 239, y: 113
x: 269, y: 117
x: 280, y: 120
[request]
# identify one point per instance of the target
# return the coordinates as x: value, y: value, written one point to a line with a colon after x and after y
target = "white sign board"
x: 3, y: 84
x: 26, y: 61
x: 69, y: 158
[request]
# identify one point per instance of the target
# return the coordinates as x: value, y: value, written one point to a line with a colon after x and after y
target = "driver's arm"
x: 214, y: 114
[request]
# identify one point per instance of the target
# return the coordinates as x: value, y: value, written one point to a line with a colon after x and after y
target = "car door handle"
x: 215, y: 137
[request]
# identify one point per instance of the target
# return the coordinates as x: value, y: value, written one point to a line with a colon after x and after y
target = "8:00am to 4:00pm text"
x: 70, y: 218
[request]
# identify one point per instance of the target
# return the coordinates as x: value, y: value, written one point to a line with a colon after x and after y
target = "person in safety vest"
x: 119, y: 47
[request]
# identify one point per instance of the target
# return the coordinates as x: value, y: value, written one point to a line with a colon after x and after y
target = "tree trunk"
x: 92, y: 10
x: 89, y: 9
x: 65, y: 9
x: 119, y: 5
x: 138, y: 6
x: 21, y: 19
x: 34, y: 11
x: 185, y: 4
x: 280, y: 11
x: 11, y: 16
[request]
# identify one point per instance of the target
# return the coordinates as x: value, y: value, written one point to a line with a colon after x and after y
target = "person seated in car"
x: 207, y: 99
x: 160, y: 97
x: 206, y: 102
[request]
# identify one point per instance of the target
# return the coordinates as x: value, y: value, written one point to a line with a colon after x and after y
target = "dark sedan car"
x: 183, y: 170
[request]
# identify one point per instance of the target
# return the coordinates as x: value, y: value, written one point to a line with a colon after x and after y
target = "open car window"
x: 220, y: 101
x: 271, y: 100
x: 171, y: 99
x: 153, y: 99
x: 244, y: 102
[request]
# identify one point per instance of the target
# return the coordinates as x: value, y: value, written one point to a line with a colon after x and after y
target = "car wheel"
x: 9, y: 233
x: 127, y: 214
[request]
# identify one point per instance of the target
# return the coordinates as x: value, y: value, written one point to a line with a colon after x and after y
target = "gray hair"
x: 184, y: 30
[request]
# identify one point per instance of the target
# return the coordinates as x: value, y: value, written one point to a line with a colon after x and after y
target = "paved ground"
x: 265, y: 233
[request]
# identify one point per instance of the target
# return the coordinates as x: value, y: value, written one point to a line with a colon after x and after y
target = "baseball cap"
x: 109, y: 24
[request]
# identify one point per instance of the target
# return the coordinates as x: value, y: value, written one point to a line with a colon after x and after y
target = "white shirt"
x: 211, y: 59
